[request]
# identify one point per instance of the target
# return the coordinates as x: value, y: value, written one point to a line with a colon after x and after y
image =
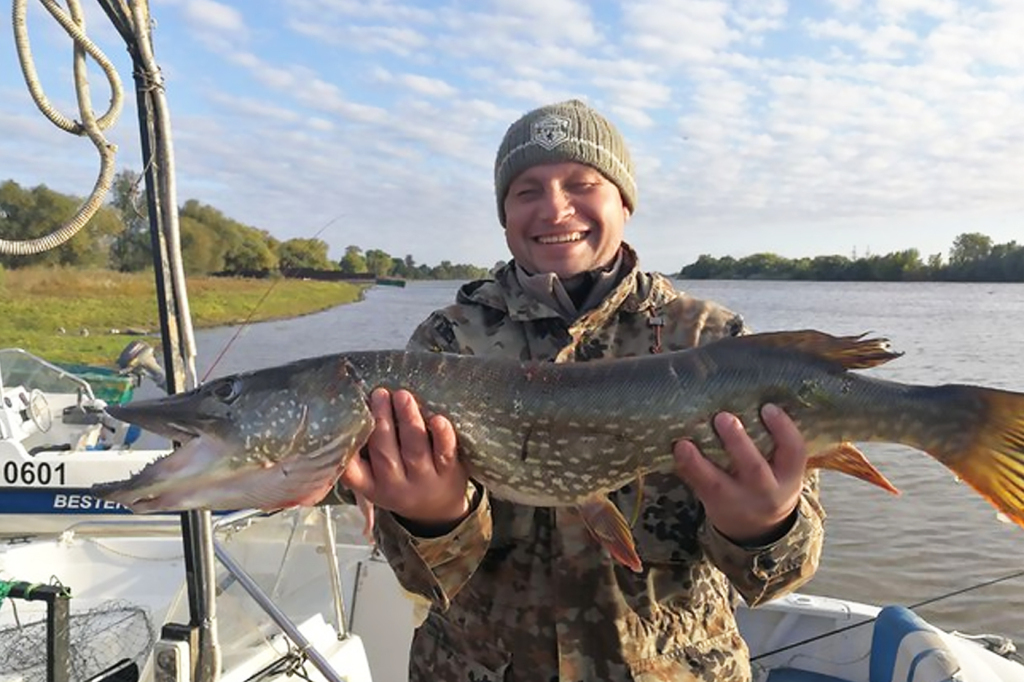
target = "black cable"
x: 926, y: 602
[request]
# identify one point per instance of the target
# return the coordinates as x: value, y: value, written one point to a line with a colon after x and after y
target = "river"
x: 939, y: 537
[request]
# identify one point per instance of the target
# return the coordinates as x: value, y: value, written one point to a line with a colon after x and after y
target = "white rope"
x: 73, y: 22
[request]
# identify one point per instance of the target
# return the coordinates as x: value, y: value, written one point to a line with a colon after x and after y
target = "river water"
x: 939, y: 537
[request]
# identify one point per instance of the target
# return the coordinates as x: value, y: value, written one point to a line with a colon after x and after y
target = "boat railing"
x: 165, y: 523
x: 234, y: 522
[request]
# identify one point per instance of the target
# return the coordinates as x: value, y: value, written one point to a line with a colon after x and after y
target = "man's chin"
x: 573, y: 259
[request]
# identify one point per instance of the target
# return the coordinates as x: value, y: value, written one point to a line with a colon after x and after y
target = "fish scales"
x: 565, y: 434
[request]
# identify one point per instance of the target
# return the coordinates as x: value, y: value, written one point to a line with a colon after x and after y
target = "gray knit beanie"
x: 566, y: 131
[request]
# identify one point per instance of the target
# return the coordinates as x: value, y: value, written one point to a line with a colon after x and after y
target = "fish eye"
x: 227, y: 390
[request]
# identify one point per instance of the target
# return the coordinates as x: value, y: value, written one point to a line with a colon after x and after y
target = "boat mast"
x: 132, y: 20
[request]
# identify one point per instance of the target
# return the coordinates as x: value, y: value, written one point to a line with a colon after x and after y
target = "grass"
x: 45, y: 310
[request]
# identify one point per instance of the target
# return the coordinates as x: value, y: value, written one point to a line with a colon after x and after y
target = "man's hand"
x: 753, y: 503
x: 412, y: 468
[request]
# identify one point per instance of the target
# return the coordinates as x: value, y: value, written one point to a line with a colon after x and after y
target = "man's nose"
x: 558, y: 205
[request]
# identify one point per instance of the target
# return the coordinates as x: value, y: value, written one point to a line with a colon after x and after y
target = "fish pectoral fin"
x: 847, y: 459
x: 607, y: 525
x: 300, y: 431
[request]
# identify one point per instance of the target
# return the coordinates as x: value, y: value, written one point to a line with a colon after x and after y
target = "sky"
x: 799, y: 127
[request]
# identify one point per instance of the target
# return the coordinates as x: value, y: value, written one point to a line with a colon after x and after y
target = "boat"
x: 123, y: 577
x: 806, y: 638
x: 390, y: 281
x: 56, y: 440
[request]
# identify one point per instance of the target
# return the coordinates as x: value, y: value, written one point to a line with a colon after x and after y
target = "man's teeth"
x: 561, y: 238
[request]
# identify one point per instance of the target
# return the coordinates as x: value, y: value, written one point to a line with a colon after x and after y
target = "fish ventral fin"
x: 847, y: 459
x: 607, y: 525
x: 993, y: 463
x: 849, y: 352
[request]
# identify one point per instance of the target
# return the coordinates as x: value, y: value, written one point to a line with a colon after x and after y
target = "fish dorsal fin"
x: 849, y: 352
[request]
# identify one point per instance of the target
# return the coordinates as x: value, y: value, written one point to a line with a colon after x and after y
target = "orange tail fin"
x: 993, y: 464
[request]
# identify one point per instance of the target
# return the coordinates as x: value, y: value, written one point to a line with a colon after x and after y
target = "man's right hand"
x: 412, y: 468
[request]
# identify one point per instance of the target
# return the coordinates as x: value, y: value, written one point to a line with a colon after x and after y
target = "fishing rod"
x: 248, y: 320
x: 917, y: 605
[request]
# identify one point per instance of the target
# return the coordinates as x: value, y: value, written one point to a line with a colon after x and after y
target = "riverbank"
x: 88, y: 316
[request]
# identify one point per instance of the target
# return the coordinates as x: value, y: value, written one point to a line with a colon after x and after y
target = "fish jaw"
x: 179, y: 417
x: 201, y: 474
x: 267, y: 440
x: 176, y: 482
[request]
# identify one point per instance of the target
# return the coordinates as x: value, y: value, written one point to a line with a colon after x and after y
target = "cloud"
x: 754, y: 124
x: 208, y: 14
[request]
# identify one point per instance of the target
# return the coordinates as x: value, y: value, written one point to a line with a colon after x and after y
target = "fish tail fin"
x: 992, y: 462
x: 848, y: 352
x: 847, y: 459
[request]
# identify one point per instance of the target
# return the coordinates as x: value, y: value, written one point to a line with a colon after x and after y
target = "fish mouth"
x: 178, y: 417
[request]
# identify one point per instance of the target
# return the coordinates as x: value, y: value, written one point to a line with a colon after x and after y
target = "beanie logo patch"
x: 549, y: 131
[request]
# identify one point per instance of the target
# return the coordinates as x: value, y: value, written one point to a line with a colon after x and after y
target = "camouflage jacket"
x: 523, y: 593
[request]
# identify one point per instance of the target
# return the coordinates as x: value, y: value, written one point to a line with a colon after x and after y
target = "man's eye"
x: 526, y: 193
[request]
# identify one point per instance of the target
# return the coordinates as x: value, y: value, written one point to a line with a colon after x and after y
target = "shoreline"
x: 75, y: 316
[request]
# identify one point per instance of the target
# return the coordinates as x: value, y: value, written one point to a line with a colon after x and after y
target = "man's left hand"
x: 753, y: 503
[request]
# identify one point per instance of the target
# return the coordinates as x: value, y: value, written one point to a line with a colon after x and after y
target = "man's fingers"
x: 414, y: 443
x: 383, y: 445
x: 747, y: 460
x: 790, y: 460
x: 358, y: 477
x: 697, y: 471
x: 444, y: 443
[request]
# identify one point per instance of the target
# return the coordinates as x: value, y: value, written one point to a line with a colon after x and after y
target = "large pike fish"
x: 549, y: 434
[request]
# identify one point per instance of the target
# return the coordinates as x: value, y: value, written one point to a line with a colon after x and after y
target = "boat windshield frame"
x: 18, y: 367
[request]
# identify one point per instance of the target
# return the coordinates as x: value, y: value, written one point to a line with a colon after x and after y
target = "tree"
x: 304, y: 253
x: 353, y: 262
x: 379, y: 262
x: 131, y: 249
x: 970, y: 247
x: 233, y: 247
x: 35, y: 213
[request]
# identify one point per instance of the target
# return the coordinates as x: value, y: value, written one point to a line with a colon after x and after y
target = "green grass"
x: 44, y: 310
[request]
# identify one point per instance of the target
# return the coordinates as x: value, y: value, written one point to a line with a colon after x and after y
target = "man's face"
x: 565, y: 218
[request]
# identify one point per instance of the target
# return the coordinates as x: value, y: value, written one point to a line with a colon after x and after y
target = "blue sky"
x: 805, y: 128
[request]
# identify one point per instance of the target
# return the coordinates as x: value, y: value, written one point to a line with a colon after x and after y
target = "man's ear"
x: 625, y: 212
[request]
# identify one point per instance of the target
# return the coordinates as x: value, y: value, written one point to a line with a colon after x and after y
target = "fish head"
x: 184, y: 416
x: 266, y: 439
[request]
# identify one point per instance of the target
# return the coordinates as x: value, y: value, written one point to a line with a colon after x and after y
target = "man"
x: 524, y: 593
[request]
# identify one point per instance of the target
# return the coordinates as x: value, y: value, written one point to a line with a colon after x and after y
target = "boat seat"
x: 794, y: 675
x: 904, y: 648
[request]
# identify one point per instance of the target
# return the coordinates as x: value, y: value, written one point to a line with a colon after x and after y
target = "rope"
x: 73, y: 23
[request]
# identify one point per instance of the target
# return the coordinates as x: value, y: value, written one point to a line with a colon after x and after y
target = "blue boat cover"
x: 904, y: 648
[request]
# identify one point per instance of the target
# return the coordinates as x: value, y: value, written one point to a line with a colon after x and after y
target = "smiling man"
x: 523, y: 593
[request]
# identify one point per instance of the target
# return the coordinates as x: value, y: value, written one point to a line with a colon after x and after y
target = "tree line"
x: 974, y: 257
x: 118, y: 238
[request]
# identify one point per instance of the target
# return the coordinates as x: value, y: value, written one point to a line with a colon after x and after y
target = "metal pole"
x: 58, y: 625
x: 197, y: 534
x: 330, y: 539
x: 276, y: 614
